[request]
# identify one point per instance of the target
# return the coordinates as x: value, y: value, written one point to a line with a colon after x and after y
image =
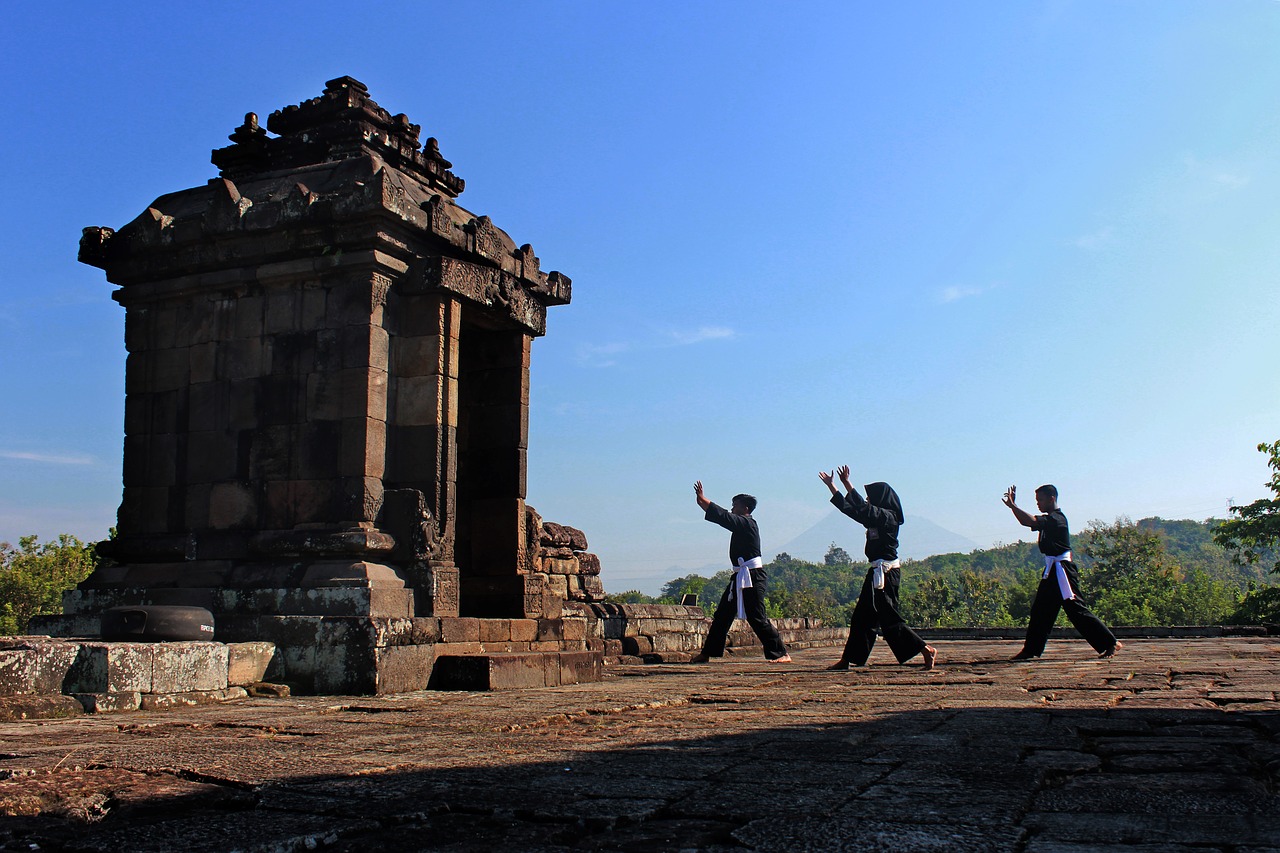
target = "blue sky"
x: 955, y: 246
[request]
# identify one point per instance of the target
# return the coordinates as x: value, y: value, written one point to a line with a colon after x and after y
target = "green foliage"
x: 33, y: 577
x: 1136, y: 582
x: 1132, y: 581
x: 1150, y: 572
x: 837, y: 556
x: 631, y: 596
x: 1260, y: 606
x: 708, y: 590
x: 1254, y: 534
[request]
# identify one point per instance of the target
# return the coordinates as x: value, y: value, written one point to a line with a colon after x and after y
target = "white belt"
x: 742, y: 580
x: 1053, y: 565
x: 877, y: 571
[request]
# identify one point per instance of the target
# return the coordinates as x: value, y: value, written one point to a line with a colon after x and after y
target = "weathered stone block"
x: 592, y: 587
x: 248, y: 317
x: 35, y: 667
x: 550, y: 630
x: 635, y: 645
x: 241, y: 359
x: 281, y: 311
x: 186, y: 667
x: 580, y: 667
x: 495, y: 630
x: 560, y: 566
x: 558, y: 585
x: 231, y: 505
x: 524, y: 630
x: 402, y: 669
x: 589, y: 564
x: 419, y: 400
x: 573, y: 629
x: 111, y: 668
x: 248, y: 663
x: 418, y: 355
x: 456, y: 629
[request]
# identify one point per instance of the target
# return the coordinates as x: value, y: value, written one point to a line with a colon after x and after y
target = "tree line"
x: 1150, y: 572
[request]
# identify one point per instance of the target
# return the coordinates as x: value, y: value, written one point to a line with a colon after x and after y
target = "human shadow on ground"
x: 959, y: 779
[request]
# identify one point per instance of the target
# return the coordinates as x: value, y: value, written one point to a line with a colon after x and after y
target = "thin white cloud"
x: 956, y: 292
x: 685, y: 337
x: 1217, y: 174
x: 46, y: 458
x: 1097, y: 240
x: 601, y: 355
x: 605, y: 355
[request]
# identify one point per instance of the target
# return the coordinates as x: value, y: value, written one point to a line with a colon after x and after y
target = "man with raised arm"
x: 1059, y: 583
x: 744, y: 597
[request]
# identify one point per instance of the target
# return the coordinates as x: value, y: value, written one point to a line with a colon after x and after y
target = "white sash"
x: 1053, y: 565
x: 877, y: 571
x: 742, y: 580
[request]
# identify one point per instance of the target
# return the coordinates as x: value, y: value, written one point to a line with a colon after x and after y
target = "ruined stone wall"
x: 558, y: 557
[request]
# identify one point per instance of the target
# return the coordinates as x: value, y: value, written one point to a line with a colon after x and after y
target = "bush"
x: 33, y: 577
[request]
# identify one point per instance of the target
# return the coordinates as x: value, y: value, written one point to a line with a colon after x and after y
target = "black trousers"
x: 879, y: 607
x: 753, y: 604
x: 1044, y: 612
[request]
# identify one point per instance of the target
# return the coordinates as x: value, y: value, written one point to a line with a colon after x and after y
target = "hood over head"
x: 883, y: 496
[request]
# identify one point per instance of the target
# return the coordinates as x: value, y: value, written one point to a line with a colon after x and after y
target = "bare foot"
x: 930, y: 656
x: 783, y: 659
x: 1024, y: 655
x: 700, y: 657
x: 1111, y: 652
x: 839, y: 666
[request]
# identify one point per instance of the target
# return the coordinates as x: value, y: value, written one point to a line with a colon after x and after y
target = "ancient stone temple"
x: 327, y: 410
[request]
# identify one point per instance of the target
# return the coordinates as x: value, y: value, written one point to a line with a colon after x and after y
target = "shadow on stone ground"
x: 751, y: 759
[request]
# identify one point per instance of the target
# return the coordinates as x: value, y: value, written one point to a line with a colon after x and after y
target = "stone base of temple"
x: 373, y: 655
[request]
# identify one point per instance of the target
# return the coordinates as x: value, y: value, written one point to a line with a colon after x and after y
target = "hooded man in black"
x: 881, y: 514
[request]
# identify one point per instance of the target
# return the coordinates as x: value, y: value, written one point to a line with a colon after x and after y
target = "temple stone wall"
x: 327, y: 392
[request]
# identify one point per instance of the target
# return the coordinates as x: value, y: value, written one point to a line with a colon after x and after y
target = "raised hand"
x: 843, y: 471
x: 701, y: 498
x: 828, y: 478
x: 1010, y: 497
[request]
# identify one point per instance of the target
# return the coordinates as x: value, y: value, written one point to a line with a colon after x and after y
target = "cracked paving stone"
x: 876, y: 836
x: 1168, y: 793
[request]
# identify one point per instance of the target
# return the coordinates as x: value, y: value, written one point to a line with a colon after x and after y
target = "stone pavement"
x: 1172, y: 746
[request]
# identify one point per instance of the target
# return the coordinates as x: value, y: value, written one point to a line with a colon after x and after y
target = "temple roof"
x: 343, y: 122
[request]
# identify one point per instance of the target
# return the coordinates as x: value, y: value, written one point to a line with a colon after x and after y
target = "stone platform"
x: 1172, y: 746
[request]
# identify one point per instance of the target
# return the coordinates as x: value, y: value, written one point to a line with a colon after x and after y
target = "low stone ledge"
x: 106, y: 703
x: 515, y: 670
x: 164, y: 701
x: 29, y: 707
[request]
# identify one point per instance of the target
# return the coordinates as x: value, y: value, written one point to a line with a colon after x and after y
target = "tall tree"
x: 1254, y: 533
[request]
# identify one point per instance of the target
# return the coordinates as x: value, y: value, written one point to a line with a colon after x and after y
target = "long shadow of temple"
x: 327, y: 410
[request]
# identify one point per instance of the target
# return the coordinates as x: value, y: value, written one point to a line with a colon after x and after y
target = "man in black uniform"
x: 744, y: 597
x: 881, y: 514
x: 1059, y: 583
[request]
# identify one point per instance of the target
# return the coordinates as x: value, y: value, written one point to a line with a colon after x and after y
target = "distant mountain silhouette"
x: 920, y: 538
